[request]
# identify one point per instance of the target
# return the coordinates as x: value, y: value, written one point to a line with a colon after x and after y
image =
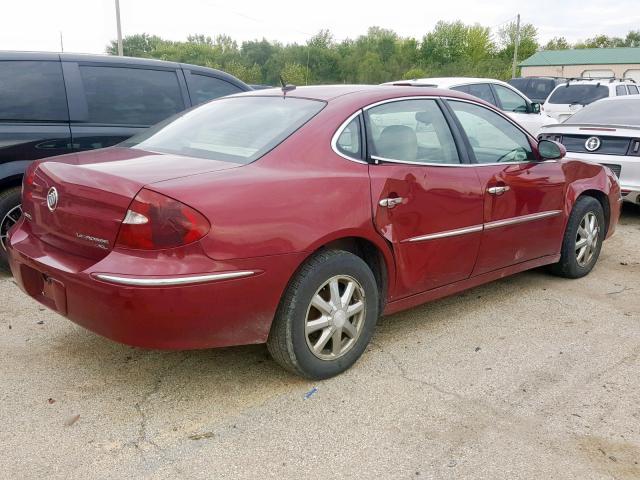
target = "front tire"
x: 10, y: 213
x: 582, y: 239
x: 326, y: 317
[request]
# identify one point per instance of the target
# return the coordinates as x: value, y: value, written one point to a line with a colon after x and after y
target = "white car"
x: 573, y: 95
x: 605, y: 132
x: 500, y: 94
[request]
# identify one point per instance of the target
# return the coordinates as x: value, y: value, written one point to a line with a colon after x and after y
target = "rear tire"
x: 582, y: 240
x: 10, y: 213
x: 326, y: 317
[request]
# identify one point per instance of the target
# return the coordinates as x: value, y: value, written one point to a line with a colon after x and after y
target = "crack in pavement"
x: 143, y: 436
x: 404, y: 374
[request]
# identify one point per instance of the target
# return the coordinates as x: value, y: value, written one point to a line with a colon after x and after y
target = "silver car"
x: 605, y: 132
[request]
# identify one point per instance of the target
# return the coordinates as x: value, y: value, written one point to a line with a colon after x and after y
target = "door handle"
x: 498, y: 190
x: 390, y: 202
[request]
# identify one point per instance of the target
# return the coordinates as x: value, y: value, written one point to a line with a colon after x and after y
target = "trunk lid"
x: 78, y: 202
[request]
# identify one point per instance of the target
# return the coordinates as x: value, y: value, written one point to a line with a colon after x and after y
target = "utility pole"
x: 61, y: 44
x: 120, y: 53
x: 515, y: 48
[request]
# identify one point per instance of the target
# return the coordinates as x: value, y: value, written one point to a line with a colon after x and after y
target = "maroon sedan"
x: 298, y: 219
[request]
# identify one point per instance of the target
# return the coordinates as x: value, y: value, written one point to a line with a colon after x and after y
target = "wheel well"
x: 604, y: 201
x: 371, y: 255
x: 9, y: 182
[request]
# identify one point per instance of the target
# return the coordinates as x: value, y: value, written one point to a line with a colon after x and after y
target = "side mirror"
x: 534, y: 107
x: 550, y: 150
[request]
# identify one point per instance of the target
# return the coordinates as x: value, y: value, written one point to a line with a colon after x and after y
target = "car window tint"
x: 232, y: 129
x: 625, y: 111
x: 539, y: 88
x: 348, y: 142
x: 493, y: 138
x: 31, y: 90
x: 633, y: 90
x: 411, y: 131
x: 578, y: 94
x: 203, y: 88
x: 130, y: 96
x: 510, y: 100
x: 480, y: 90
x: 621, y: 90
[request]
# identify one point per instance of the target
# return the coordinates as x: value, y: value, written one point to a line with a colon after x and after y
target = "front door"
x: 426, y: 199
x: 523, y: 197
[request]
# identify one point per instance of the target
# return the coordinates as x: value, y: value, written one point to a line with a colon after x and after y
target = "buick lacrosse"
x: 298, y: 217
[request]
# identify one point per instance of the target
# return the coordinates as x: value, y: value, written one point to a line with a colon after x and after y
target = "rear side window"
x: 413, y: 131
x: 130, y: 96
x: 480, y: 90
x: 633, y: 90
x: 578, y: 94
x: 348, y: 142
x: 621, y: 90
x: 32, y: 90
x: 203, y: 88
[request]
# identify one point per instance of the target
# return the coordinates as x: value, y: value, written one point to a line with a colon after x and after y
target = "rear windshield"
x: 578, y: 94
x: 235, y: 129
x: 618, y: 112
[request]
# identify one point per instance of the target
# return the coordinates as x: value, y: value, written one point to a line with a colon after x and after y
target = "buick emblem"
x: 592, y: 144
x: 52, y: 199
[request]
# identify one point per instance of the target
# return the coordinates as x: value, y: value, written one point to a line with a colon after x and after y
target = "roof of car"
x: 113, y: 59
x: 446, y: 82
x: 330, y: 92
x: 583, y: 56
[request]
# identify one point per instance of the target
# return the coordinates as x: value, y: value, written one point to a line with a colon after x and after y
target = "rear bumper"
x: 183, y: 302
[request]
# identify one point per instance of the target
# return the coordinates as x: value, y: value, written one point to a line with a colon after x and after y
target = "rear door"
x: 109, y: 103
x: 426, y: 200
x: 34, y: 119
x: 523, y: 197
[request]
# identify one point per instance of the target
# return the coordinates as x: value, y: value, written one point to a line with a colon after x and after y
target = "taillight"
x: 155, y: 222
x: 27, y: 182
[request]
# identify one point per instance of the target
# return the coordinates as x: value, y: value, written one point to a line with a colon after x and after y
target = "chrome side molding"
x: 170, y: 281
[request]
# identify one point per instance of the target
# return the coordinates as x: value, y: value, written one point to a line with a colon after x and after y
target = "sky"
x: 88, y: 25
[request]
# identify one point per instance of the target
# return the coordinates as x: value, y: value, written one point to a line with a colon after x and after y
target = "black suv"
x: 51, y: 104
x: 536, y: 88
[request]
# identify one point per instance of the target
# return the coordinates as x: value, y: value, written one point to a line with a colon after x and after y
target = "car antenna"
x: 286, y: 87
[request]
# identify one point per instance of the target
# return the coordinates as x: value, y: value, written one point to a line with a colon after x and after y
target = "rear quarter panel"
x: 297, y: 198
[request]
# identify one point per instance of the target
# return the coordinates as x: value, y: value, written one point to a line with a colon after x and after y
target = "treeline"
x: 451, y: 49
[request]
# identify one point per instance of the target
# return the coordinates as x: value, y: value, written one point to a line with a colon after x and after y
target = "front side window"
x: 32, y: 90
x: 621, y: 90
x: 348, y: 142
x: 493, y: 139
x: 203, y: 88
x: 510, y: 100
x: 233, y: 129
x: 130, y: 96
x: 480, y: 90
x: 633, y: 90
x: 411, y: 131
x: 578, y: 94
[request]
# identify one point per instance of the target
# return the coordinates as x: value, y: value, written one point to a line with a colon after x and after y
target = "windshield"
x: 234, y: 129
x: 578, y: 94
x: 616, y: 112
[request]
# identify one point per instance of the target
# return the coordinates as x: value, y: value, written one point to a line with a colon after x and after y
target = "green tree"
x: 527, y: 46
x: 294, y: 73
x: 557, y: 43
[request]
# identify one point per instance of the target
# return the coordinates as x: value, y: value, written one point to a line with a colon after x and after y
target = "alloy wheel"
x: 587, y: 239
x: 335, y: 317
x: 8, y: 221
